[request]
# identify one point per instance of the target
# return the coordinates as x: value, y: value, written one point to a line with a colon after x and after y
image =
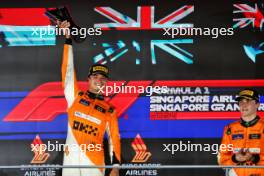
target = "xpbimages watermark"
x: 50, y: 147
x: 55, y: 30
x: 148, y: 90
x: 187, y: 146
x: 183, y: 31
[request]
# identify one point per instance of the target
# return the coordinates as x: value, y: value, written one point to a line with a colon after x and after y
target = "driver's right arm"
x: 69, y: 82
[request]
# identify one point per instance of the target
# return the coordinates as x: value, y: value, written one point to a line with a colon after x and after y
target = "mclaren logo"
x: 40, y: 156
x: 142, y: 155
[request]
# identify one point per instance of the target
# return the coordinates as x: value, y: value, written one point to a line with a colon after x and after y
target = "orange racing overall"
x: 89, y: 119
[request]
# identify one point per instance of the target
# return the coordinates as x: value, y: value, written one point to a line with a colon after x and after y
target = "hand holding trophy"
x: 65, y: 25
x: 62, y: 17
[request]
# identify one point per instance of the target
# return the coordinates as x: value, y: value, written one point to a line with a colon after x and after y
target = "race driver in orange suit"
x: 246, y: 137
x: 89, y: 119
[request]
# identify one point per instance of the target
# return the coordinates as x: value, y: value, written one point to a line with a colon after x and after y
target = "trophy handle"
x: 51, y: 17
x: 62, y: 14
x: 67, y: 15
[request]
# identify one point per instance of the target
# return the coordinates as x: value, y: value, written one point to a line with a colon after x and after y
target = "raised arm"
x: 69, y: 82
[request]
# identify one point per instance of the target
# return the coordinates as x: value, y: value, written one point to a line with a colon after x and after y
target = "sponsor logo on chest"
x: 255, y: 136
x: 87, y: 117
x: 99, y: 108
x: 84, y: 102
x: 237, y: 136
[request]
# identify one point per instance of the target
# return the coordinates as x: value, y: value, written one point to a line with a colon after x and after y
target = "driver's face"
x: 96, y: 83
x: 248, y: 107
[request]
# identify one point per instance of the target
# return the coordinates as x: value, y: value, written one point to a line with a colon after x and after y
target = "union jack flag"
x: 145, y: 19
x: 251, y: 16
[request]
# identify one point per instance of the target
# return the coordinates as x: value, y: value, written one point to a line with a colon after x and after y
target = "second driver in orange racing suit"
x: 246, y: 137
x: 89, y: 119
